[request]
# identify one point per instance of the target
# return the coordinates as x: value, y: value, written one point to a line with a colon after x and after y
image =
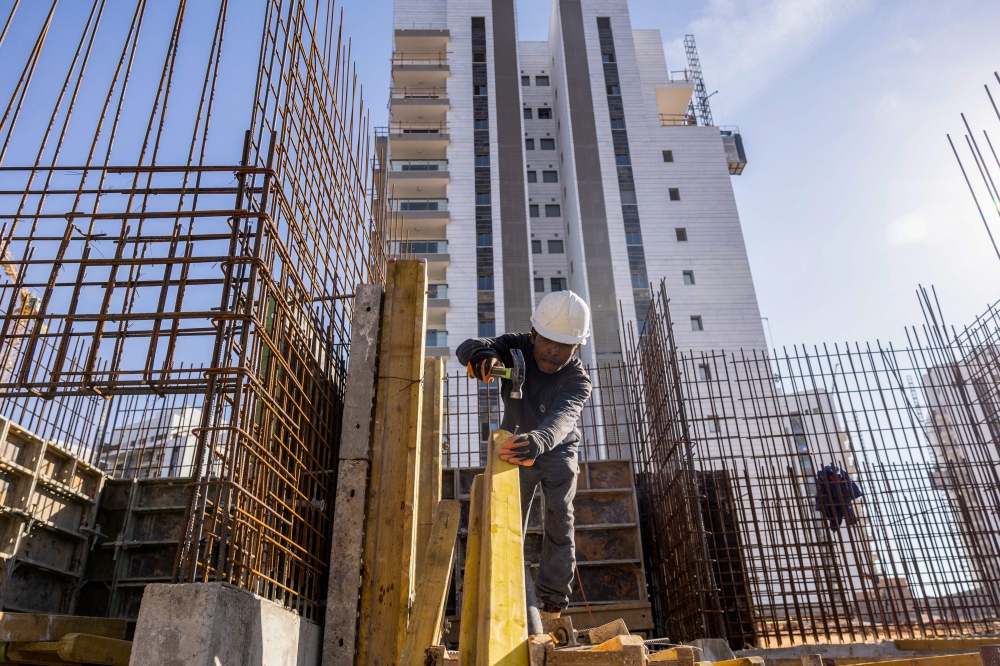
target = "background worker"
x: 555, y: 389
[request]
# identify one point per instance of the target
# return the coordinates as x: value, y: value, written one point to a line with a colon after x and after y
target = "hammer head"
x: 517, y: 374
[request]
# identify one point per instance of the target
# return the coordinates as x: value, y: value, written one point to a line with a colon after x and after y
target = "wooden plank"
x: 424, y: 628
x: 390, y: 529
x: 676, y: 656
x: 945, y: 644
x: 74, y: 648
x: 22, y: 627
x: 608, y: 631
x: 969, y: 659
x: 470, y: 593
x: 503, y: 622
x: 341, y: 632
x: 742, y: 661
x: 538, y: 649
x: 355, y: 431
x: 430, y: 455
x: 638, y: 616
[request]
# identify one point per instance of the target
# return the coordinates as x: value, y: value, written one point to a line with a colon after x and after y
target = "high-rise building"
x: 583, y: 163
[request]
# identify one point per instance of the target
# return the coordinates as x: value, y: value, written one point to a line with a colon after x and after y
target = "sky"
x: 851, y: 197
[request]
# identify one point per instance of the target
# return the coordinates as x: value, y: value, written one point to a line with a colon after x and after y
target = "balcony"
x: 419, y: 69
x: 418, y: 139
x: 437, y: 296
x: 419, y: 104
x: 437, y: 60
x: 418, y: 205
x: 418, y: 92
x: 437, y: 343
x: 419, y: 179
x: 732, y: 142
x: 420, y: 166
x: 418, y: 128
x: 668, y: 120
x: 433, y: 251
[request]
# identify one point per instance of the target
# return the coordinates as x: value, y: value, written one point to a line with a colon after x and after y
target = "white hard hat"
x: 562, y: 316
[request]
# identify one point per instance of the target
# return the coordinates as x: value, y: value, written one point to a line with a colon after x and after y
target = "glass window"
x: 485, y: 282
x: 527, y: 114
x: 555, y: 247
x: 545, y: 114
x: 712, y: 423
x: 552, y: 210
x: 704, y: 372
x: 628, y: 197
x: 529, y: 144
x: 525, y: 80
x: 617, y: 123
x: 539, y: 285
x: 480, y: 90
x: 623, y: 159
x: 536, y: 247
x: 532, y: 176
x: 668, y: 156
x: 633, y: 238
x: 479, y: 56
x: 675, y: 194
x: 682, y: 234
x: 548, y: 144
x: 437, y: 338
x: 437, y: 291
x: 484, y: 239
x: 550, y: 177
x: 482, y: 198
x: 541, y: 80
x: 607, y: 57
x: 482, y: 160
x: 696, y: 324
x: 639, y: 281
x: 487, y: 328
x: 688, y: 277
x: 613, y: 89
x: 558, y: 284
x: 481, y: 124
x: 533, y: 210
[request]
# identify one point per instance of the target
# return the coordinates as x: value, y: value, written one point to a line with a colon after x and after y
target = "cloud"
x: 907, y: 230
x: 746, y: 44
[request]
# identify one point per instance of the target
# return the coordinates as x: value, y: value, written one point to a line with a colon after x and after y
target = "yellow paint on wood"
x: 430, y: 456
x: 424, y: 628
x: 470, y: 589
x: 619, y: 643
x: 970, y: 659
x: 390, y: 538
x: 503, y: 624
x: 744, y: 661
x: 73, y: 648
x: 944, y: 644
x: 680, y: 656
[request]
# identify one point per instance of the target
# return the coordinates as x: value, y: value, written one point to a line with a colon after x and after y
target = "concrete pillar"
x: 216, y: 624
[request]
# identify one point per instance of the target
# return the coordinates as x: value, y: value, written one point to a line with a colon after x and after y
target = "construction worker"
x: 555, y: 389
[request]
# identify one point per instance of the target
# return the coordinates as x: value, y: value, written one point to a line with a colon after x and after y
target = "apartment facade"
x: 521, y: 168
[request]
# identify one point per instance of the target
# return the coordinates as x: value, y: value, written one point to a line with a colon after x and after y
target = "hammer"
x: 515, y: 375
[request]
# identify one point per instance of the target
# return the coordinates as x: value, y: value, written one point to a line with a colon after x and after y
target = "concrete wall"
x: 216, y: 624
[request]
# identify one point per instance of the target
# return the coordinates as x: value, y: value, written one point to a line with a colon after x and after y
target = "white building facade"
x: 520, y: 168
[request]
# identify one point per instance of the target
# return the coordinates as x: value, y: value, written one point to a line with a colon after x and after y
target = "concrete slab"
x: 216, y: 624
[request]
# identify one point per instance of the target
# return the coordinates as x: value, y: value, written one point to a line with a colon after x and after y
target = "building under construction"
x: 216, y: 379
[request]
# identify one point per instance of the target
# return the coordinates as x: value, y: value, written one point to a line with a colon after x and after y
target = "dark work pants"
x: 556, y: 472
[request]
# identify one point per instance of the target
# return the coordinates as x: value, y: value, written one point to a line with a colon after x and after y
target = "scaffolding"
x: 698, y: 106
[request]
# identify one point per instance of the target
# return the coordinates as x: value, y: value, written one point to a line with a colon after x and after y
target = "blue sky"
x: 851, y: 197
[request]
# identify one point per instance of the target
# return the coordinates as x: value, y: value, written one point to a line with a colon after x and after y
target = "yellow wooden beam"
x: 467, y: 630
x: 969, y: 659
x: 503, y: 621
x: 944, y: 644
x: 73, y: 648
x: 390, y: 530
x: 430, y: 456
x: 424, y: 628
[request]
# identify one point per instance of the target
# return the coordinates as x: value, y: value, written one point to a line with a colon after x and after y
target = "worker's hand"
x: 481, y: 367
x: 519, y: 450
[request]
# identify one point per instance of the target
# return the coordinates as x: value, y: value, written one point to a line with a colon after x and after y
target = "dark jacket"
x: 550, y: 405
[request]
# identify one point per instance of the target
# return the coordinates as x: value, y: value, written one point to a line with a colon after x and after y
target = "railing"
x: 418, y: 247
x: 418, y: 93
x: 439, y: 59
x: 435, y: 291
x: 418, y: 127
x: 681, y: 76
x: 437, y: 338
x: 418, y: 165
x: 729, y: 130
x: 417, y: 205
x: 668, y: 119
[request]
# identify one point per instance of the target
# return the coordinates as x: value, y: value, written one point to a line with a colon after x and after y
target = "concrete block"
x: 216, y: 624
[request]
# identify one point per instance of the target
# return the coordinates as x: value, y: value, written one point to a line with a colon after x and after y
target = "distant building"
x: 158, y: 446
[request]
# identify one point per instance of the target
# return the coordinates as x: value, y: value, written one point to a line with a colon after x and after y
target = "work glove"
x: 520, y: 450
x: 481, y: 363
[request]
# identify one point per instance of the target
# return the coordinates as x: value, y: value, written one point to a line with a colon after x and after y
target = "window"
x: 633, y: 238
x: 682, y: 234
x: 555, y: 247
x: 628, y: 197
x: 696, y: 324
x: 550, y: 177
x: 548, y: 144
x: 487, y: 329
x: 536, y: 247
x: 545, y: 114
x: 481, y: 124
x: 607, y: 57
x: 604, y: 23
x: 484, y: 239
x: 525, y: 80
x: 623, y: 159
x: 552, y: 210
x: 529, y: 144
x: 541, y: 80
x: 675, y: 194
x: 482, y: 160
x: 668, y: 156
x: 617, y: 123
x: 479, y: 56
x: 437, y: 291
x: 712, y: 424
x: 539, y: 285
x: 688, y: 277
x: 480, y: 90
x: 527, y: 114
x: 639, y: 281
x: 533, y: 210
x: 704, y: 372
x: 482, y: 198
x: 437, y: 338
x: 532, y: 176
x: 558, y: 284
x: 485, y: 283
x: 613, y: 89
